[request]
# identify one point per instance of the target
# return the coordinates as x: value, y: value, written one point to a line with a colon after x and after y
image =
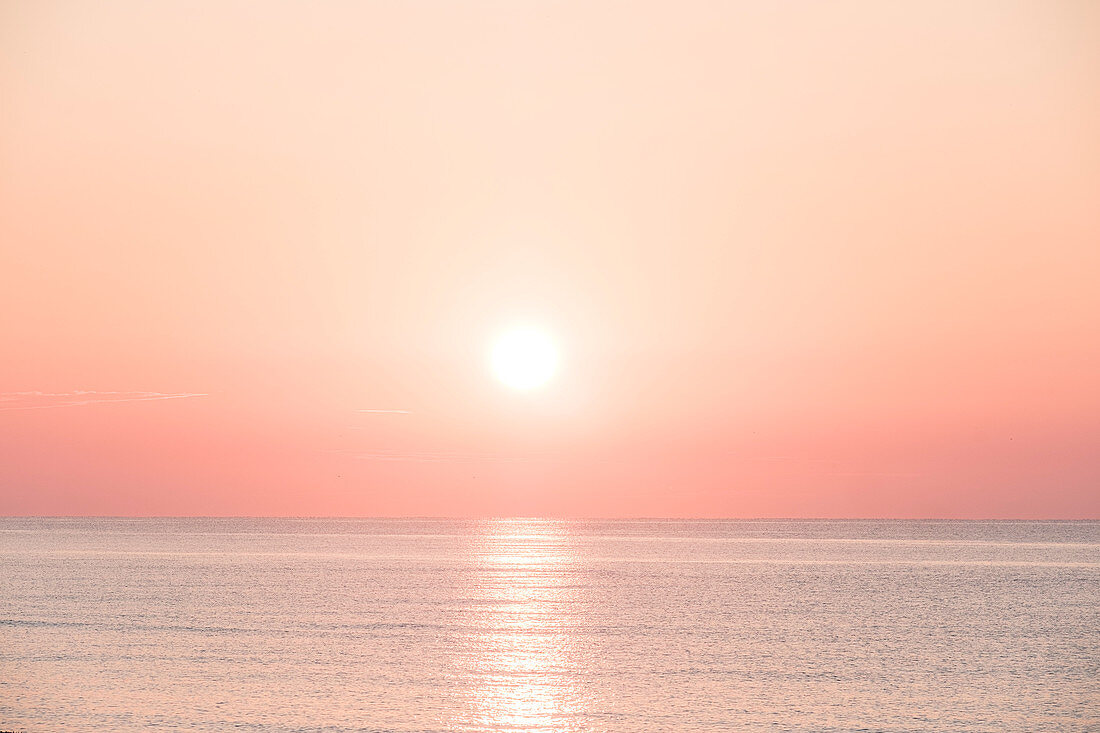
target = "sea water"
x: 538, y: 625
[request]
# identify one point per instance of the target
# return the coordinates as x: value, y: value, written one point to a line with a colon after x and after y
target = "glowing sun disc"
x: 524, y: 358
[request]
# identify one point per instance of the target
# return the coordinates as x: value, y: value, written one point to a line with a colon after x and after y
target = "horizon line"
x: 442, y: 518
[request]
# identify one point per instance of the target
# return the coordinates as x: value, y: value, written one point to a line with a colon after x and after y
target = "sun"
x: 524, y: 358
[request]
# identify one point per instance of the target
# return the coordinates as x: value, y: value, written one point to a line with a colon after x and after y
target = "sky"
x: 796, y: 259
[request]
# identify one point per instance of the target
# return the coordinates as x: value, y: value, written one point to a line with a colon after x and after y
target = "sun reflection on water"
x: 524, y: 661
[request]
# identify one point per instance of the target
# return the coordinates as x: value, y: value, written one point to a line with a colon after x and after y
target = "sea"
x: 540, y: 625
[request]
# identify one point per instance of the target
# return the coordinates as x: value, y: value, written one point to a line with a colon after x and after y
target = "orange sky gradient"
x: 799, y: 259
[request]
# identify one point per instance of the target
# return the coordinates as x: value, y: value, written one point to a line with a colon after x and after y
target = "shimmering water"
x: 412, y: 625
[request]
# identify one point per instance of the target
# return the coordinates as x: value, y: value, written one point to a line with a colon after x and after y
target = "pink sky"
x: 799, y: 259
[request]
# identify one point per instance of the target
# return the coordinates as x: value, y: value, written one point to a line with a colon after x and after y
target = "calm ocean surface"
x: 531, y: 625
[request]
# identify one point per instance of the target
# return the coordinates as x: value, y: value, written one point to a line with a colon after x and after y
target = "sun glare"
x: 524, y: 358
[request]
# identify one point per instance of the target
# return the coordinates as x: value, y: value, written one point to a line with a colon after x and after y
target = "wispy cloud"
x: 36, y: 400
x: 820, y: 466
x: 435, y: 456
x: 389, y: 412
